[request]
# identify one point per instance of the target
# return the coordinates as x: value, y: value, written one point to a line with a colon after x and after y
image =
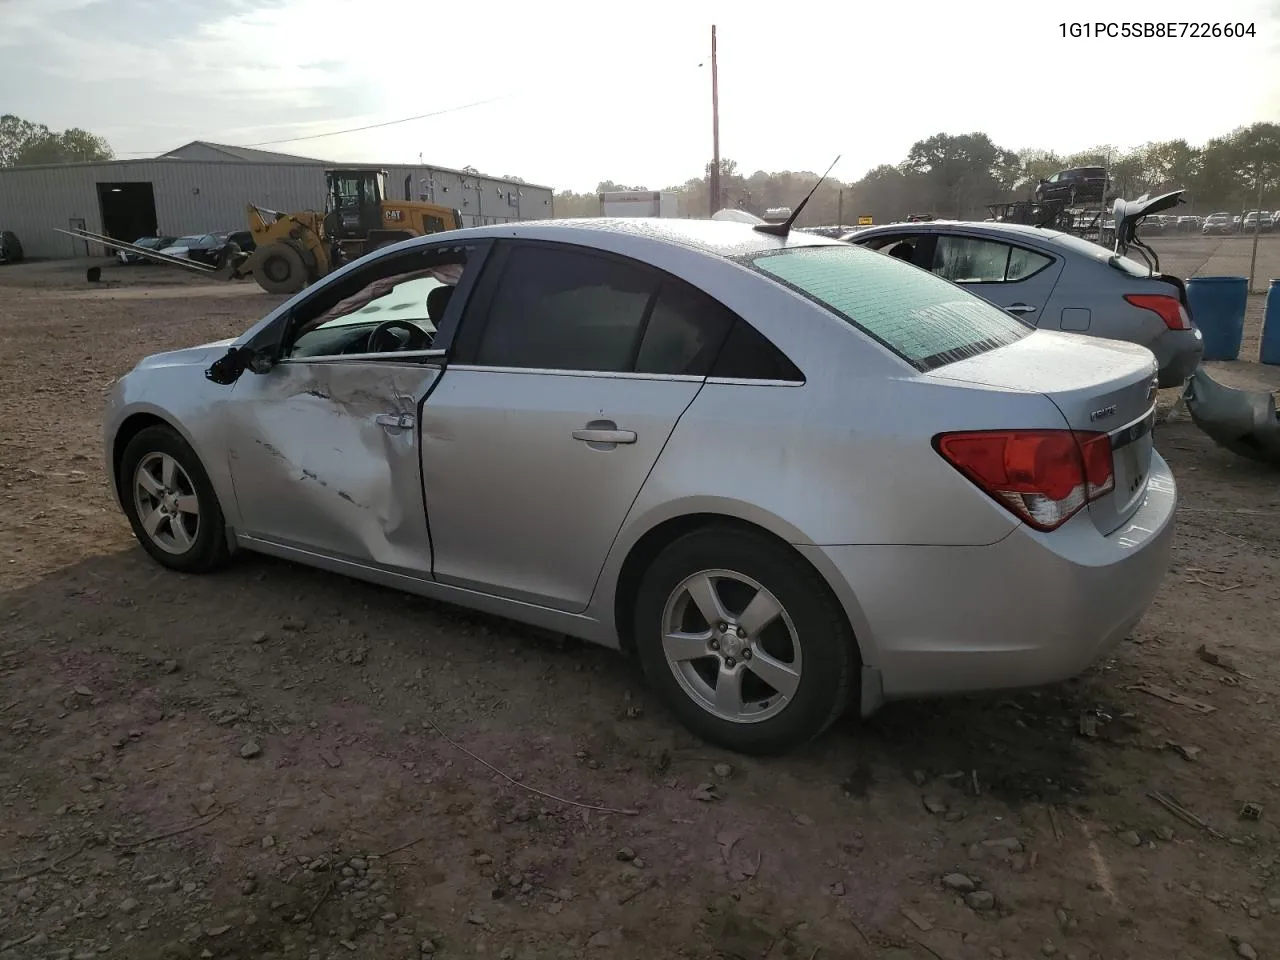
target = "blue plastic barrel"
x: 1217, y: 308
x: 1270, y: 352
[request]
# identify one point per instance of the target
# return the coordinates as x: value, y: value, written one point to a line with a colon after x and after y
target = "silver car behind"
x: 1055, y: 281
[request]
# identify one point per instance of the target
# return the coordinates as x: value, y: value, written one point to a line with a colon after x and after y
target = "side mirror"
x: 227, y: 369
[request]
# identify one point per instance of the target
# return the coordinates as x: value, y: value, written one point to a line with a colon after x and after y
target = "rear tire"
x: 171, y: 503
x: 778, y: 641
x: 278, y: 268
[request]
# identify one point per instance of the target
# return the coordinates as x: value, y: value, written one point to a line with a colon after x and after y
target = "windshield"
x: 926, y: 320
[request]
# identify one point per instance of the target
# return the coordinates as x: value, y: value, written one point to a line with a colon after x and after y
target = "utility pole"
x: 840, y: 210
x: 1257, y: 226
x: 713, y: 181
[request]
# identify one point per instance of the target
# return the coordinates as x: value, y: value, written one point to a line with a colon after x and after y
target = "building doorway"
x: 128, y: 210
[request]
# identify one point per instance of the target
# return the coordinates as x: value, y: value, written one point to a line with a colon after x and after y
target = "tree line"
x: 25, y: 144
x: 947, y: 175
x: 957, y: 176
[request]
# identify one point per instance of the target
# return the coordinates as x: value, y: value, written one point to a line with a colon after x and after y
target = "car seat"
x: 438, y: 302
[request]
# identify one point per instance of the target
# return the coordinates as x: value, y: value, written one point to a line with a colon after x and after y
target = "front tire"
x: 744, y: 641
x: 279, y: 268
x: 170, y: 502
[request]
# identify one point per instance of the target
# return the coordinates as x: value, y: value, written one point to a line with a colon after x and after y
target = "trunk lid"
x: 1099, y: 386
x: 1129, y: 213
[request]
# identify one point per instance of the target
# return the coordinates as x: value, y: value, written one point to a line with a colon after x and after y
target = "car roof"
x: 1044, y: 234
x: 716, y: 237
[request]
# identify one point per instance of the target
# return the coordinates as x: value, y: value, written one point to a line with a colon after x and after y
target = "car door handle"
x: 395, y: 421
x: 609, y: 434
x: 1020, y: 308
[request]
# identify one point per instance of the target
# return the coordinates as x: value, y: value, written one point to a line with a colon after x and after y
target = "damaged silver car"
x: 793, y: 476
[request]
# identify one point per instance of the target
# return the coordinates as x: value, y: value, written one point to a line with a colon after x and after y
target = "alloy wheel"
x: 166, y: 502
x: 731, y: 646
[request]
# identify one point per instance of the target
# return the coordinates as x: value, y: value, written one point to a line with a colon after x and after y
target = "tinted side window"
x: 747, y: 355
x: 684, y: 333
x: 1024, y: 263
x: 968, y: 260
x: 900, y: 246
x: 560, y: 309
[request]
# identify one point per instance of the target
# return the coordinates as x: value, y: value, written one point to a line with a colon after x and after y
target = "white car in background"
x: 194, y: 247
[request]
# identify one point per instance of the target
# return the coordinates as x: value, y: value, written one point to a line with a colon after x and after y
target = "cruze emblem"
x: 1104, y: 412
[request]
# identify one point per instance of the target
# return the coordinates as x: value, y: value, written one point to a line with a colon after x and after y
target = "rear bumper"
x: 1029, y: 610
x: 1178, y: 353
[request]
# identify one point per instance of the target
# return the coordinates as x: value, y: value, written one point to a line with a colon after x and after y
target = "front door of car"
x: 1013, y: 277
x: 324, y: 449
x: 572, y: 369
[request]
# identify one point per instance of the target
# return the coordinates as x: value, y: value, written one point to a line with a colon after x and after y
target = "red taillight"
x: 1044, y: 477
x: 1170, y: 309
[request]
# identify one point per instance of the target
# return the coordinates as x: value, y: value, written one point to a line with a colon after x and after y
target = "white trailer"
x: 639, y: 203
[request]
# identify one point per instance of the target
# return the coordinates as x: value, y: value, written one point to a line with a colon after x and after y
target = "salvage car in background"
x: 207, y: 248
x: 128, y: 257
x: 1218, y: 223
x: 194, y: 247
x: 241, y: 238
x: 1056, y: 281
x: 1257, y: 221
x: 1075, y: 185
x: 518, y: 419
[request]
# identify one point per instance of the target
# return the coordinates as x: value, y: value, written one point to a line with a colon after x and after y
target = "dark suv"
x: 1076, y: 184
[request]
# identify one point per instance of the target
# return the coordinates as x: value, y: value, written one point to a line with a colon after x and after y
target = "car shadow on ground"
x: 347, y: 642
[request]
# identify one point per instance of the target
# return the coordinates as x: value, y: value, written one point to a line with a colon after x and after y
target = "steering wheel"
x: 381, y: 339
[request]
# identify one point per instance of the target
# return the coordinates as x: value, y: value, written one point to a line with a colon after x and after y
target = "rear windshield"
x: 926, y: 320
x: 1091, y: 250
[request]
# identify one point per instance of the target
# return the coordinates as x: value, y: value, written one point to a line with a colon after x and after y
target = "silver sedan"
x: 791, y: 475
x: 1057, y: 282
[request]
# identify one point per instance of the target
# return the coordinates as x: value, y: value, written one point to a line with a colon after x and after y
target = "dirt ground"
x: 278, y: 762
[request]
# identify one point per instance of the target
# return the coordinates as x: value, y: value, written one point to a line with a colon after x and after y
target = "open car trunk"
x: 1099, y: 386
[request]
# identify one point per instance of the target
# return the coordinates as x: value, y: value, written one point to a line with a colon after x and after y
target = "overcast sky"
x: 583, y: 92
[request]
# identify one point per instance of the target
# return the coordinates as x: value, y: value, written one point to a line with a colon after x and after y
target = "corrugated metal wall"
x: 481, y: 200
x: 33, y: 202
x: 199, y: 197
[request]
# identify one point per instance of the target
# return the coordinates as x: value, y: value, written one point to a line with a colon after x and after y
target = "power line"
x: 336, y: 133
x: 374, y: 126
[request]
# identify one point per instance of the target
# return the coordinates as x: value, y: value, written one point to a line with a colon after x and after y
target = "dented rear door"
x: 324, y: 456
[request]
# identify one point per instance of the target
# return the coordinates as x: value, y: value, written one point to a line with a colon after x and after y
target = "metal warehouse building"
x: 205, y: 187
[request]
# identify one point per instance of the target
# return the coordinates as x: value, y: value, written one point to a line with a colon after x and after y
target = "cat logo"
x: 394, y: 215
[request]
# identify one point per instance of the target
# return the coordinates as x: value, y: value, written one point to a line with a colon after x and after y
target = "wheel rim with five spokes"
x: 731, y: 645
x: 166, y: 501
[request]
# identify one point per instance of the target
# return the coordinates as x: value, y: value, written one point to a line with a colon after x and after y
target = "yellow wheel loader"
x: 294, y: 249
